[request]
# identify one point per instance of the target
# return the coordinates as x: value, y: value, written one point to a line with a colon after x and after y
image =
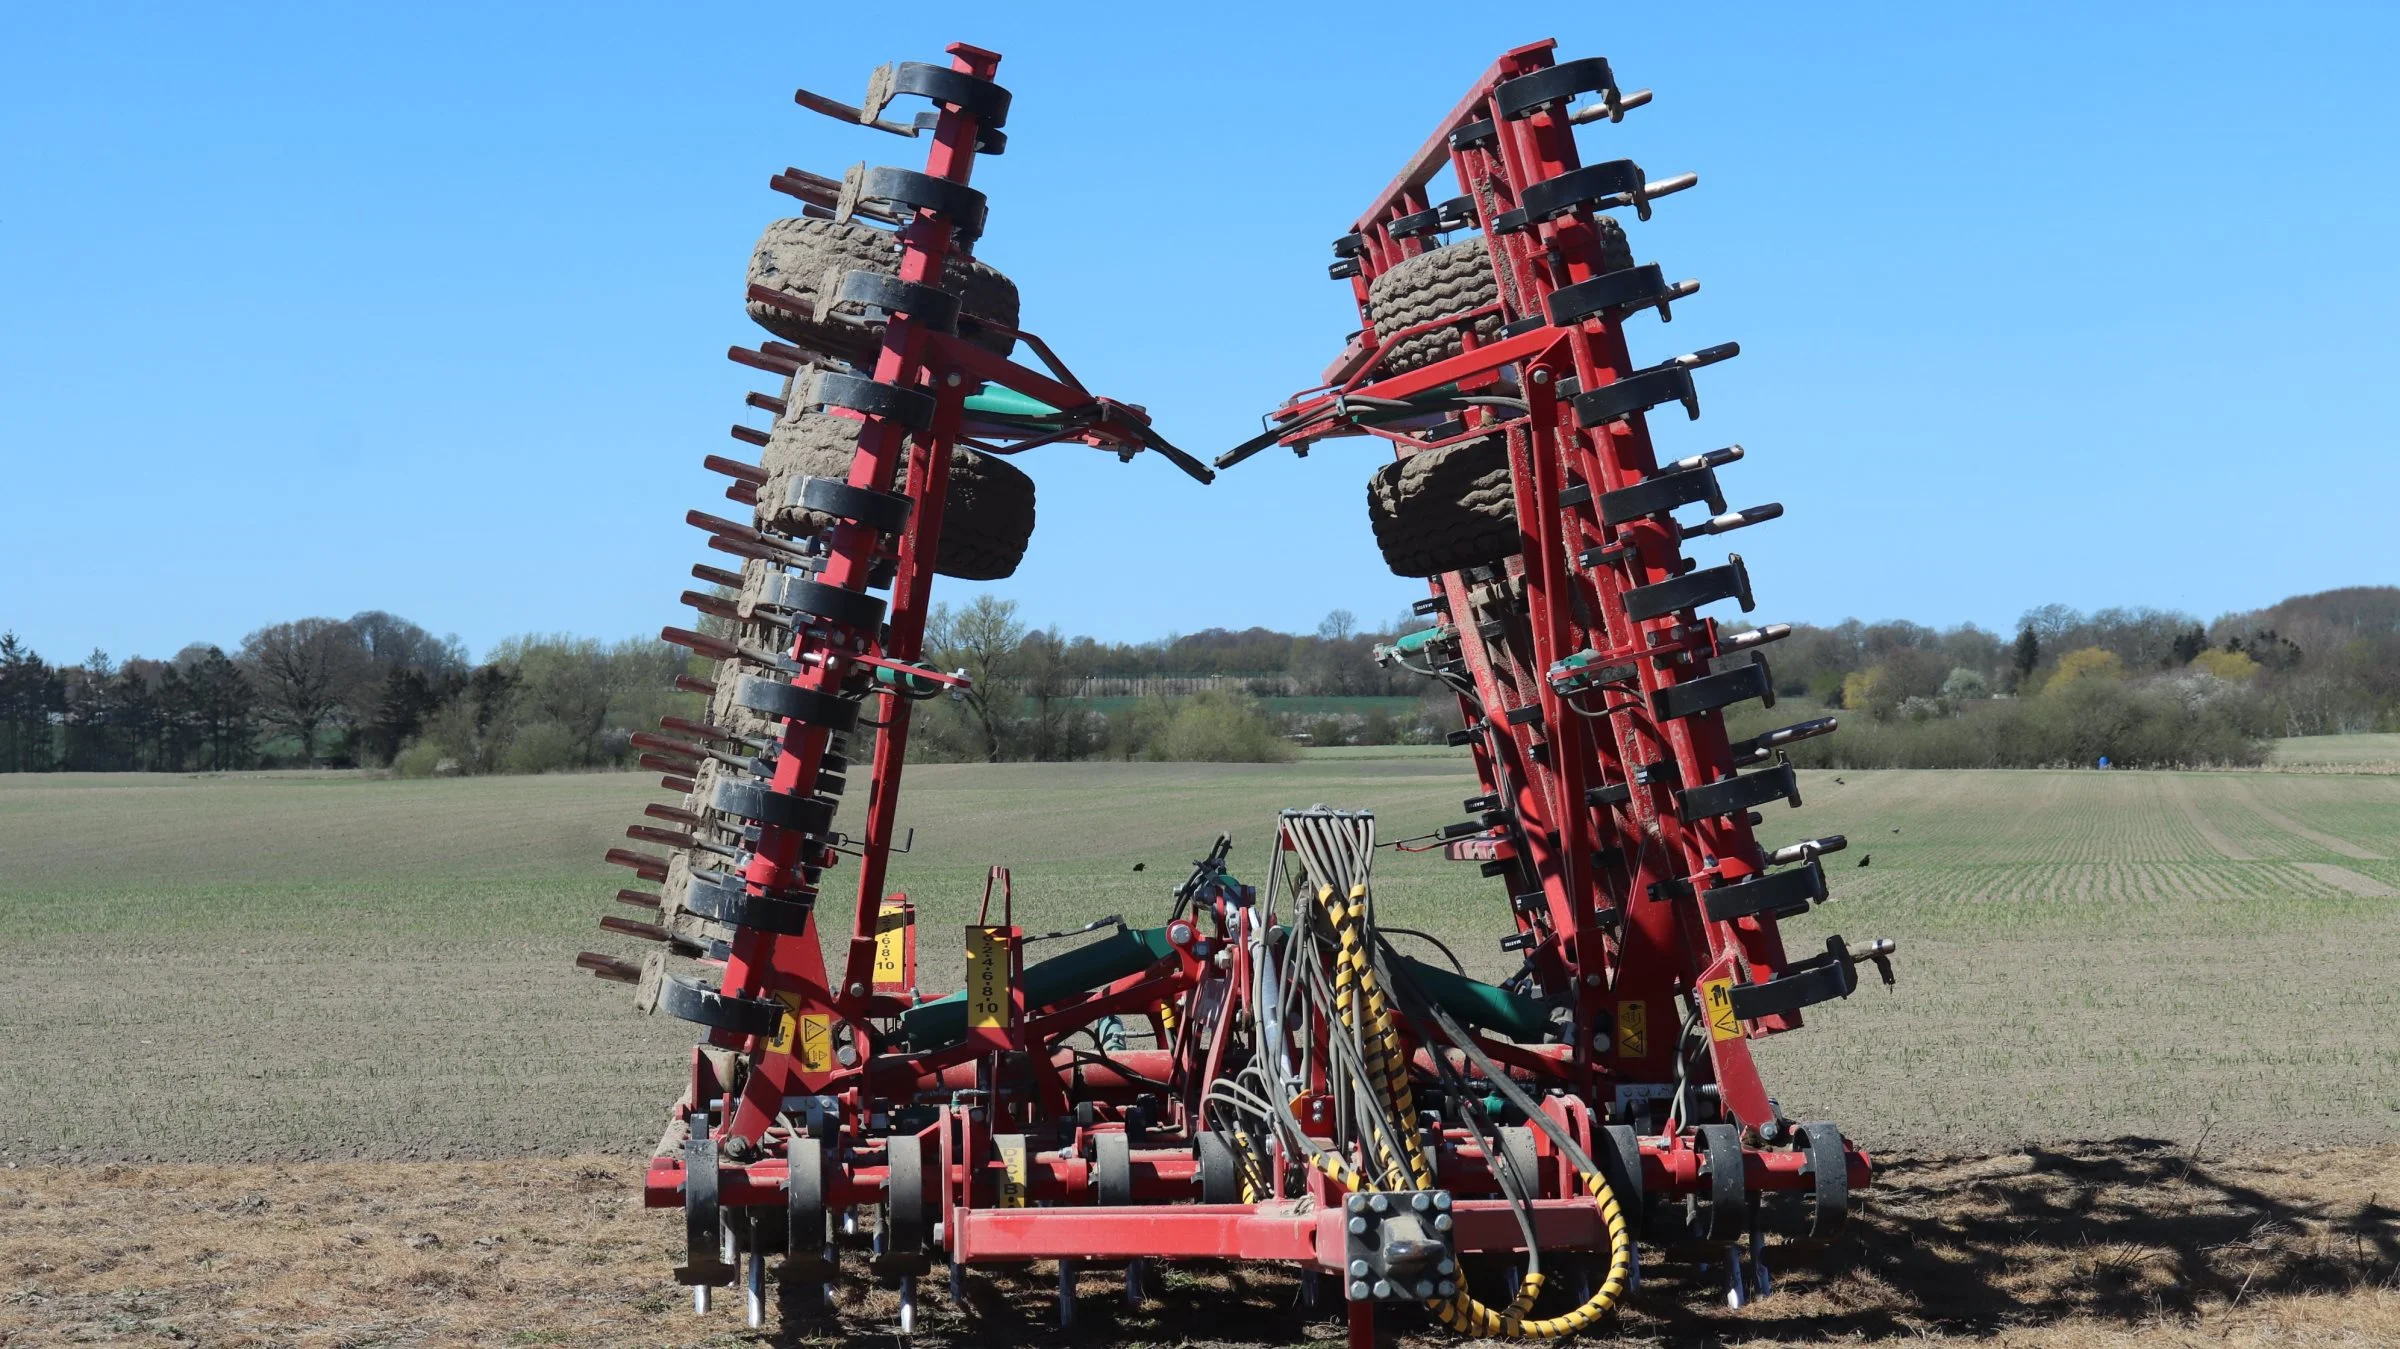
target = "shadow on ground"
x: 2134, y: 1241
x: 2135, y: 1233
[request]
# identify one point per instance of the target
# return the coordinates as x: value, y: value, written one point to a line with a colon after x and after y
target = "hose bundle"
x: 1342, y: 980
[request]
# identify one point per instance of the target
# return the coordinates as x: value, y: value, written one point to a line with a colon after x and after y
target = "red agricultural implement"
x: 1262, y: 1076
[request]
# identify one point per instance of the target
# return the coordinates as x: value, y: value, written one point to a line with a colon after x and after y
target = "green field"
x: 2369, y: 753
x: 289, y: 965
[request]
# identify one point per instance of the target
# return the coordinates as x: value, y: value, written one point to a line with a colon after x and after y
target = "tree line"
x: 372, y: 690
x: 2141, y: 686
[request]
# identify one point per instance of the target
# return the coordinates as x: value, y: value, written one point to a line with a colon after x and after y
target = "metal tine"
x: 609, y: 967
x: 868, y: 112
x: 1733, y: 520
x: 762, y: 360
x: 1743, y: 641
x: 710, y: 731
x: 1807, y: 848
x: 814, y: 188
x: 710, y: 604
x: 684, y: 749
x: 1758, y: 748
x: 1625, y: 104
x: 716, y: 576
x: 1693, y: 360
x: 819, y: 203
x: 1712, y: 459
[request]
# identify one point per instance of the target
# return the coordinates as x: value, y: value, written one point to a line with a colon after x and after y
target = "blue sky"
x: 314, y: 309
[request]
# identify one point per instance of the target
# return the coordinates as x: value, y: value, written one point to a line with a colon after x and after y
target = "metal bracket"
x: 1396, y: 1246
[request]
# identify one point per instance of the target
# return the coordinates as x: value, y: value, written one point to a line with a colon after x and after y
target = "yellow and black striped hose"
x: 1357, y: 992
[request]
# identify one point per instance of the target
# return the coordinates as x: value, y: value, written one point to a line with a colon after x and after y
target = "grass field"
x: 2339, y: 753
x: 294, y: 966
x: 215, y: 979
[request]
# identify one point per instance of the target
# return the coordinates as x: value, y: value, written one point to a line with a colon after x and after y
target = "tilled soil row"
x: 2134, y: 1242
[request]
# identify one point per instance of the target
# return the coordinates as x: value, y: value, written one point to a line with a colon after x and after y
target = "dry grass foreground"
x: 2134, y: 1242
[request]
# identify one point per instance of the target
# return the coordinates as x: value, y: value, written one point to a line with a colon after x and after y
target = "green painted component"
x: 1478, y: 1004
x: 1418, y: 640
x: 1125, y: 951
x: 993, y: 400
x: 1587, y: 656
x: 913, y: 683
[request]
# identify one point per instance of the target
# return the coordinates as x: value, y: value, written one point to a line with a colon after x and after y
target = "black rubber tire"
x: 987, y: 515
x: 1452, y: 280
x: 1447, y: 509
x: 794, y: 255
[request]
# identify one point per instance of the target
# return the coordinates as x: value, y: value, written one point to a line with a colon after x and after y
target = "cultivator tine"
x: 720, y: 649
x: 1624, y: 104
x: 609, y: 967
x: 761, y: 360
x: 1756, y: 637
x: 1693, y: 360
x: 707, y: 731
x: 733, y: 529
x: 1759, y: 747
x: 1711, y: 459
x: 639, y: 899
x: 711, y: 604
x: 1807, y: 848
x: 675, y: 749
x: 627, y: 927
x: 814, y: 188
x: 1733, y: 520
x: 673, y: 816
x: 642, y: 833
x: 642, y: 864
x: 735, y: 469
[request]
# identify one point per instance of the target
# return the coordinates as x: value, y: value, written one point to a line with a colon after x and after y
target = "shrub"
x: 2090, y: 663
x: 1203, y: 728
x: 2234, y: 667
x: 422, y: 759
x: 547, y: 747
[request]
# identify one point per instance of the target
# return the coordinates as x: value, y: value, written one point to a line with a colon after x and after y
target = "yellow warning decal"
x: 816, y: 1043
x: 1716, y: 1000
x: 987, y: 978
x: 1633, y: 1029
x: 815, y: 1030
x: 1013, y: 1184
x: 782, y: 1042
x: 891, y: 945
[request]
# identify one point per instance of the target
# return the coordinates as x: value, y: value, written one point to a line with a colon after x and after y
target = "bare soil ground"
x: 2132, y: 1242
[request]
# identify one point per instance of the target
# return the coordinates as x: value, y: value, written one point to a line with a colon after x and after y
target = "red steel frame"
x: 1621, y: 920
x: 1618, y: 922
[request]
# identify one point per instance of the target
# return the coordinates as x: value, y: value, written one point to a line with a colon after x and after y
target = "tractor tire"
x: 987, y: 516
x: 794, y: 255
x: 1453, y: 280
x: 1444, y: 510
